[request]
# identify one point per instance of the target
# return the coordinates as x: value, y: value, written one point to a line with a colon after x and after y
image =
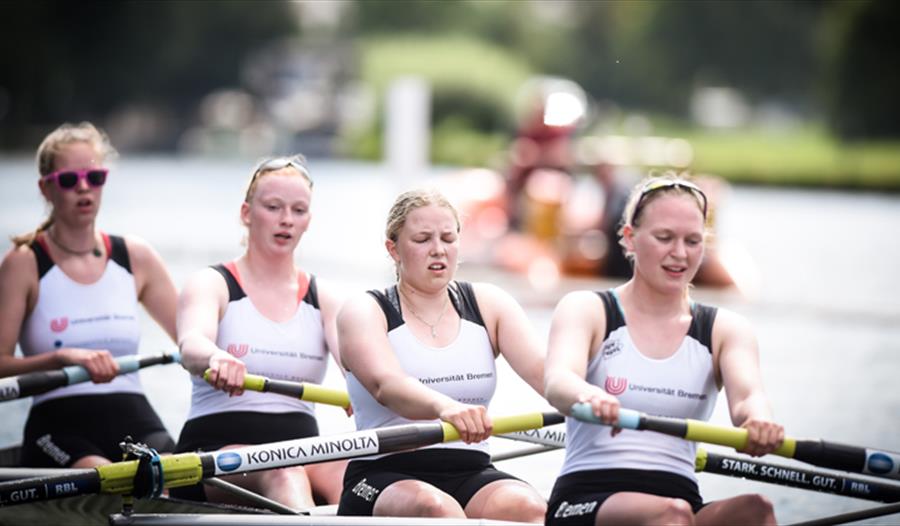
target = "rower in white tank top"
x: 682, y: 386
x: 100, y: 315
x: 293, y: 350
x: 464, y: 370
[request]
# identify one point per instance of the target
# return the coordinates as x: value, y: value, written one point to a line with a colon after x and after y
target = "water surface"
x: 826, y: 303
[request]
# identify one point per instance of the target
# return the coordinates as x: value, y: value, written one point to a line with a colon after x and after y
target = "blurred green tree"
x: 653, y: 55
x: 863, y: 80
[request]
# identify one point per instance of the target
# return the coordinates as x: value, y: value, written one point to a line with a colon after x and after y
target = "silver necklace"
x: 95, y: 250
x: 432, y: 326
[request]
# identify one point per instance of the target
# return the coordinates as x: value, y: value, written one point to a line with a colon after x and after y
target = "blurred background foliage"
x: 813, y: 83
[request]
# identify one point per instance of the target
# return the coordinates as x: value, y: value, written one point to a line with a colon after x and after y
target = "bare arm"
x: 200, y: 307
x: 330, y: 301
x: 738, y: 366
x: 154, y: 285
x: 18, y: 293
x: 578, y: 326
x: 366, y: 352
x: 512, y: 334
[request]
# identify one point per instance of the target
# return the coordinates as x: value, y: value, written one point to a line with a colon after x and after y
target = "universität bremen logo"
x: 238, y: 350
x: 59, y: 324
x: 615, y: 385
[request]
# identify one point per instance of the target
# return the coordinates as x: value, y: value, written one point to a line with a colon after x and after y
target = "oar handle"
x: 324, y: 395
x: 686, y: 428
x: 628, y: 418
x: 510, y: 424
x: 302, y: 390
x: 127, y: 364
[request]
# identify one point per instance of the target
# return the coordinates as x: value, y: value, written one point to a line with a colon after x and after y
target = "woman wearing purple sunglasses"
x: 69, y: 295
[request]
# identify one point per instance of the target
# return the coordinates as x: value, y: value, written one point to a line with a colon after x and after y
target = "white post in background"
x: 407, y: 133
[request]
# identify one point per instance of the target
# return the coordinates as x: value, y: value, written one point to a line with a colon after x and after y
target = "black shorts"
x: 576, y: 497
x: 212, y: 432
x: 456, y: 472
x: 61, y: 431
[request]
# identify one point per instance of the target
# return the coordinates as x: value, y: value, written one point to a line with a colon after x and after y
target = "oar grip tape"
x: 324, y: 395
x: 253, y: 382
x: 41, y: 382
x: 509, y: 424
x: 127, y: 364
x: 831, y: 455
x: 668, y: 426
x: 400, y: 439
x: 303, y: 391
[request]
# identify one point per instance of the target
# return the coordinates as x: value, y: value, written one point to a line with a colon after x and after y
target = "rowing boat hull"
x: 97, y: 509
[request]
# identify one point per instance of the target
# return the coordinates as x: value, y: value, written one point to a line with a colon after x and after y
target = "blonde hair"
x: 409, y: 201
x: 50, y: 148
x: 652, y: 188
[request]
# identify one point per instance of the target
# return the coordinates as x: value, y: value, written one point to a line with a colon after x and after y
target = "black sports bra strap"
x: 703, y: 319
x: 312, y: 293
x: 44, y: 263
x: 462, y: 295
x: 389, y: 301
x: 119, y: 252
x: 235, y: 292
x: 614, y: 317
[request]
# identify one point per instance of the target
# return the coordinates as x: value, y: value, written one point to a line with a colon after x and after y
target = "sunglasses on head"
x: 69, y: 179
x: 662, y: 184
x: 272, y: 165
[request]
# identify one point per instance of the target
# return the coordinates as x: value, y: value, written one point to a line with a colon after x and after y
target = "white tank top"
x: 101, y: 315
x: 293, y: 350
x: 464, y: 370
x: 682, y: 386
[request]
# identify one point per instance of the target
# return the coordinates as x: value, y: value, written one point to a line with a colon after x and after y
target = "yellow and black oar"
x: 302, y: 390
x: 855, y: 459
x: 152, y: 473
x: 30, y: 384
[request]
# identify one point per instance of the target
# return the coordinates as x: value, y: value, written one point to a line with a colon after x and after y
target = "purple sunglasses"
x: 69, y: 179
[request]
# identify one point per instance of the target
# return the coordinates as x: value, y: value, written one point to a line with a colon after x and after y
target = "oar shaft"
x: 190, y: 468
x: 30, y: 384
x: 127, y: 364
x: 360, y: 443
x: 817, y: 452
x: 820, y: 481
x: 82, y: 482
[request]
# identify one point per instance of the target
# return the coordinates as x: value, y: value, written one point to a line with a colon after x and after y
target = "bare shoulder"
x: 19, y: 262
x: 329, y: 291
x: 18, y: 278
x: 331, y: 296
x: 206, y: 279
x: 730, y: 322
x: 581, y: 299
x: 490, y: 292
x: 496, y: 304
x: 140, y: 252
x: 358, y: 307
x: 732, y: 330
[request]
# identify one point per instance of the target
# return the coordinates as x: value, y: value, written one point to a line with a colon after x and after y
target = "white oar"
x: 152, y: 473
